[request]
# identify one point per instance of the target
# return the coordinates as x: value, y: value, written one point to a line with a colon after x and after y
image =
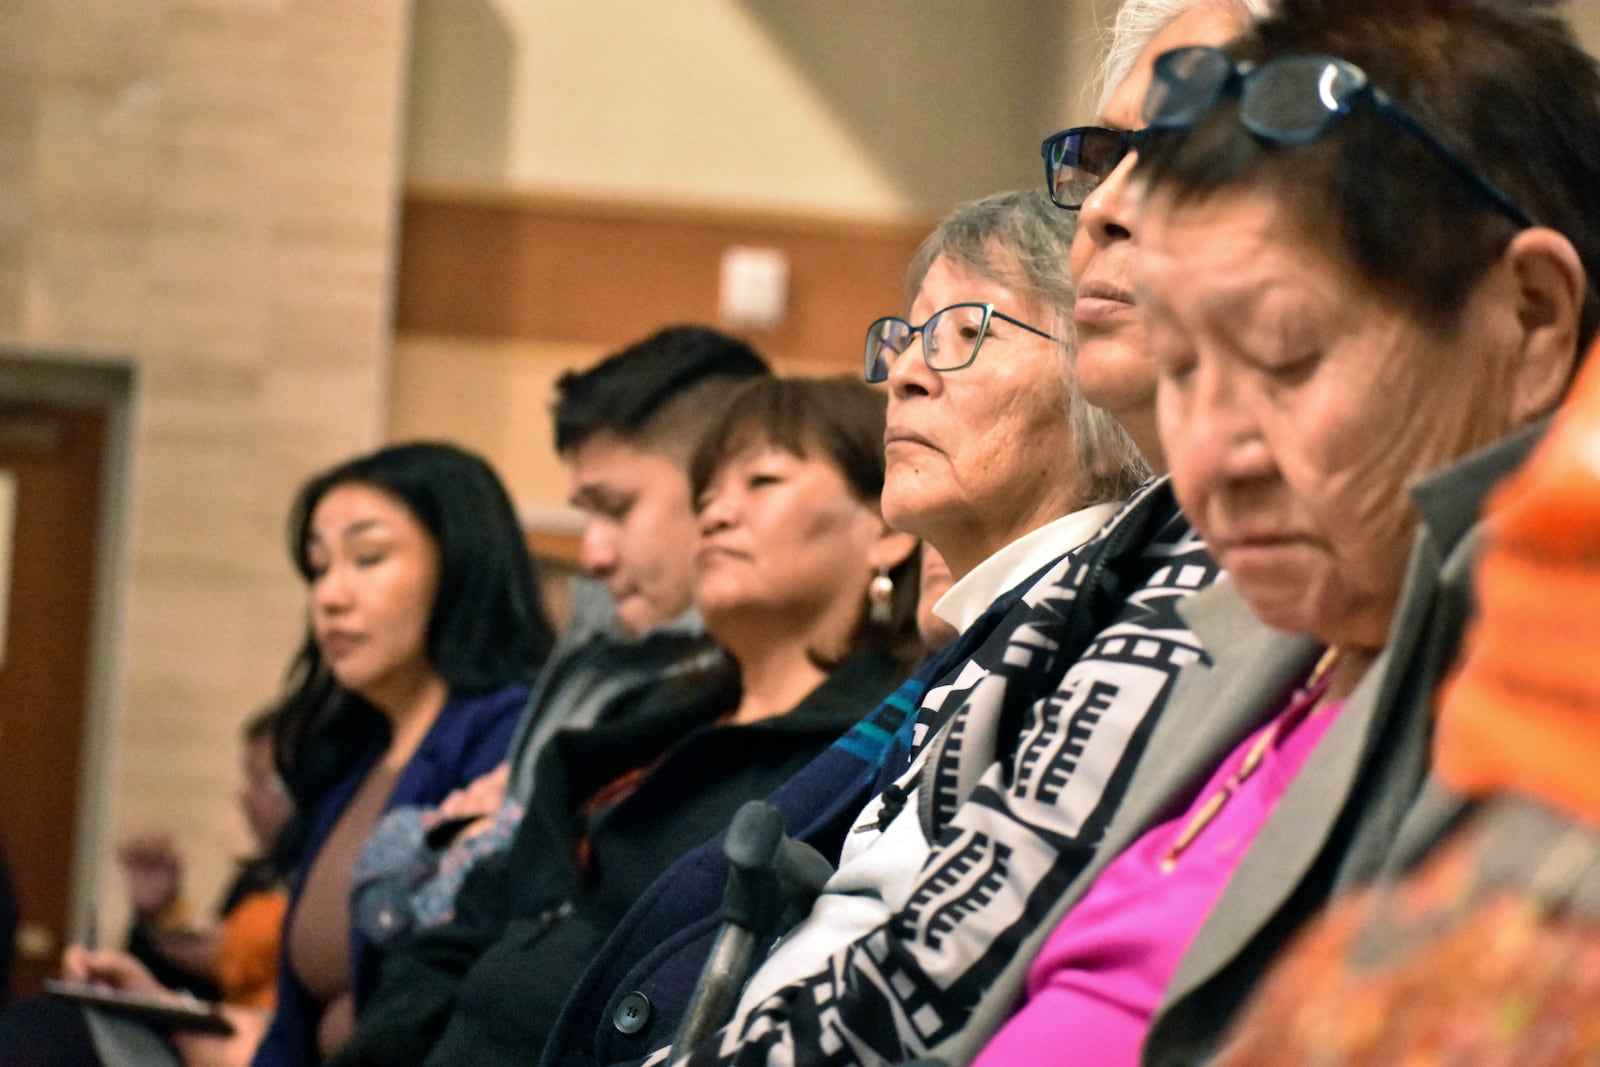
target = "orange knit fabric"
x: 247, y: 953
x: 1523, y: 713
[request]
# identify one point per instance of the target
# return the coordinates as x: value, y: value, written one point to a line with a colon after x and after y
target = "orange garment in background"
x: 247, y: 949
x: 1442, y: 969
x: 1523, y: 713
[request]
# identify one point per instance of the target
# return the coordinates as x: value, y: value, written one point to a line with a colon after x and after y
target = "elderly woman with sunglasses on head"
x: 1364, y: 251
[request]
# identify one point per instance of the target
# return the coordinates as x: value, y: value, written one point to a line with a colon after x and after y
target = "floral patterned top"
x: 1486, y: 954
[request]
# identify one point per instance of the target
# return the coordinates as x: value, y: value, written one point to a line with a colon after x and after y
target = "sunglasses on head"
x: 1291, y: 101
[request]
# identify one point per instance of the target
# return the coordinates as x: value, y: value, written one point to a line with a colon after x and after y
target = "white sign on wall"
x: 8, y: 512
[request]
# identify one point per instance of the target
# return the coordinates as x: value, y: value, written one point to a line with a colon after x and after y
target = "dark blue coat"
x: 468, y: 739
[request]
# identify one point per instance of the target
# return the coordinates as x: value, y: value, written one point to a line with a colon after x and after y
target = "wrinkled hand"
x: 153, y: 867
x: 108, y: 967
x: 478, y: 800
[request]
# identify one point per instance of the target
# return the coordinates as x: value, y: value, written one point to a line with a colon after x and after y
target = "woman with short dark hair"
x: 1477, y: 947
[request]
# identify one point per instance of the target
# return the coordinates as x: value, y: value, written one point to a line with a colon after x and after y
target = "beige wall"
x: 881, y: 109
x: 204, y: 190
x: 878, y: 110
x: 1585, y: 17
x: 494, y: 395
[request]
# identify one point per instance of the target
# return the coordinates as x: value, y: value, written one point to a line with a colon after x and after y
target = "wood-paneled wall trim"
x: 495, y: 263
x: 582, y: 205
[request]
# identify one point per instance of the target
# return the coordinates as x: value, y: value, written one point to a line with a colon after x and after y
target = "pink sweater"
x: 1100, y: 976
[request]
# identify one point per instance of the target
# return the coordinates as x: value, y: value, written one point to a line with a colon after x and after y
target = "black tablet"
x: 168, y: 1011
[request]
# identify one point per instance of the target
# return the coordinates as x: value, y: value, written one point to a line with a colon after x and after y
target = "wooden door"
x: 50, y: 470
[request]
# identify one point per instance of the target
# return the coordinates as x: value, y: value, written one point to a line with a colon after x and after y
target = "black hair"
x: 843, y: 419
x: 627, y: 392
x: 487, y: 628
x: 1503, y: 82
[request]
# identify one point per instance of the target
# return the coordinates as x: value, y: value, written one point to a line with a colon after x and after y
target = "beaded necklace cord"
x: 1306, y: 697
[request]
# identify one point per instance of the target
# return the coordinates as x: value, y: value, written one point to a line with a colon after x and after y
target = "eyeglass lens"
x: 1291, y: 101
x: 885, y: 337
x: 950, y: 339
x: 1079, y: 159
x: 1188, y: 83
x: 1276, y: 104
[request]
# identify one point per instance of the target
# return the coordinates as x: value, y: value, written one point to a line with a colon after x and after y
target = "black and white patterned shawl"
x: 1017, y: 766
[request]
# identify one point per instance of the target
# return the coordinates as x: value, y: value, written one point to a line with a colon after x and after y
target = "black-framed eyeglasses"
x: 1290, y: 101
x: 950, y: 338
x: 1076, y: 161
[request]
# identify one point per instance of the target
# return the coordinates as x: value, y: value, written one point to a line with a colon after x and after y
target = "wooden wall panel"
x: 476, y: 264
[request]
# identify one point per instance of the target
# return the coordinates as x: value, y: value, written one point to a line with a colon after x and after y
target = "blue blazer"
x: 468, y: 739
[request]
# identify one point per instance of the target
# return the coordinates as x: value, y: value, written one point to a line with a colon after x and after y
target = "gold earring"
x: 880, y: 598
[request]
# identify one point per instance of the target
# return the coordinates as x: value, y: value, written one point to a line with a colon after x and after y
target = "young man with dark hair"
x: 625, y: 429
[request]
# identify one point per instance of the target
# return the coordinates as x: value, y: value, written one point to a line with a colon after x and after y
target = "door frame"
x: 111, y: 385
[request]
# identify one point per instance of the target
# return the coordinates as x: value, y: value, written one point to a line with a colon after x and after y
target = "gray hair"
x: 1021, y: 240
x: 1136, y: 25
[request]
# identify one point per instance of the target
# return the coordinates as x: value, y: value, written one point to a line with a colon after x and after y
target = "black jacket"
x: 486, y: 987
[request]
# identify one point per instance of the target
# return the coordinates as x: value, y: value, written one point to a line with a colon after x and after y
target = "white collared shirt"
x: 968, y: 598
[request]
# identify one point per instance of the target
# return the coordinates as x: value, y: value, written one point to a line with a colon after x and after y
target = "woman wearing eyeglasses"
x: 1357, y: 329
x: 969, y: 439
x: 1087, y: 169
